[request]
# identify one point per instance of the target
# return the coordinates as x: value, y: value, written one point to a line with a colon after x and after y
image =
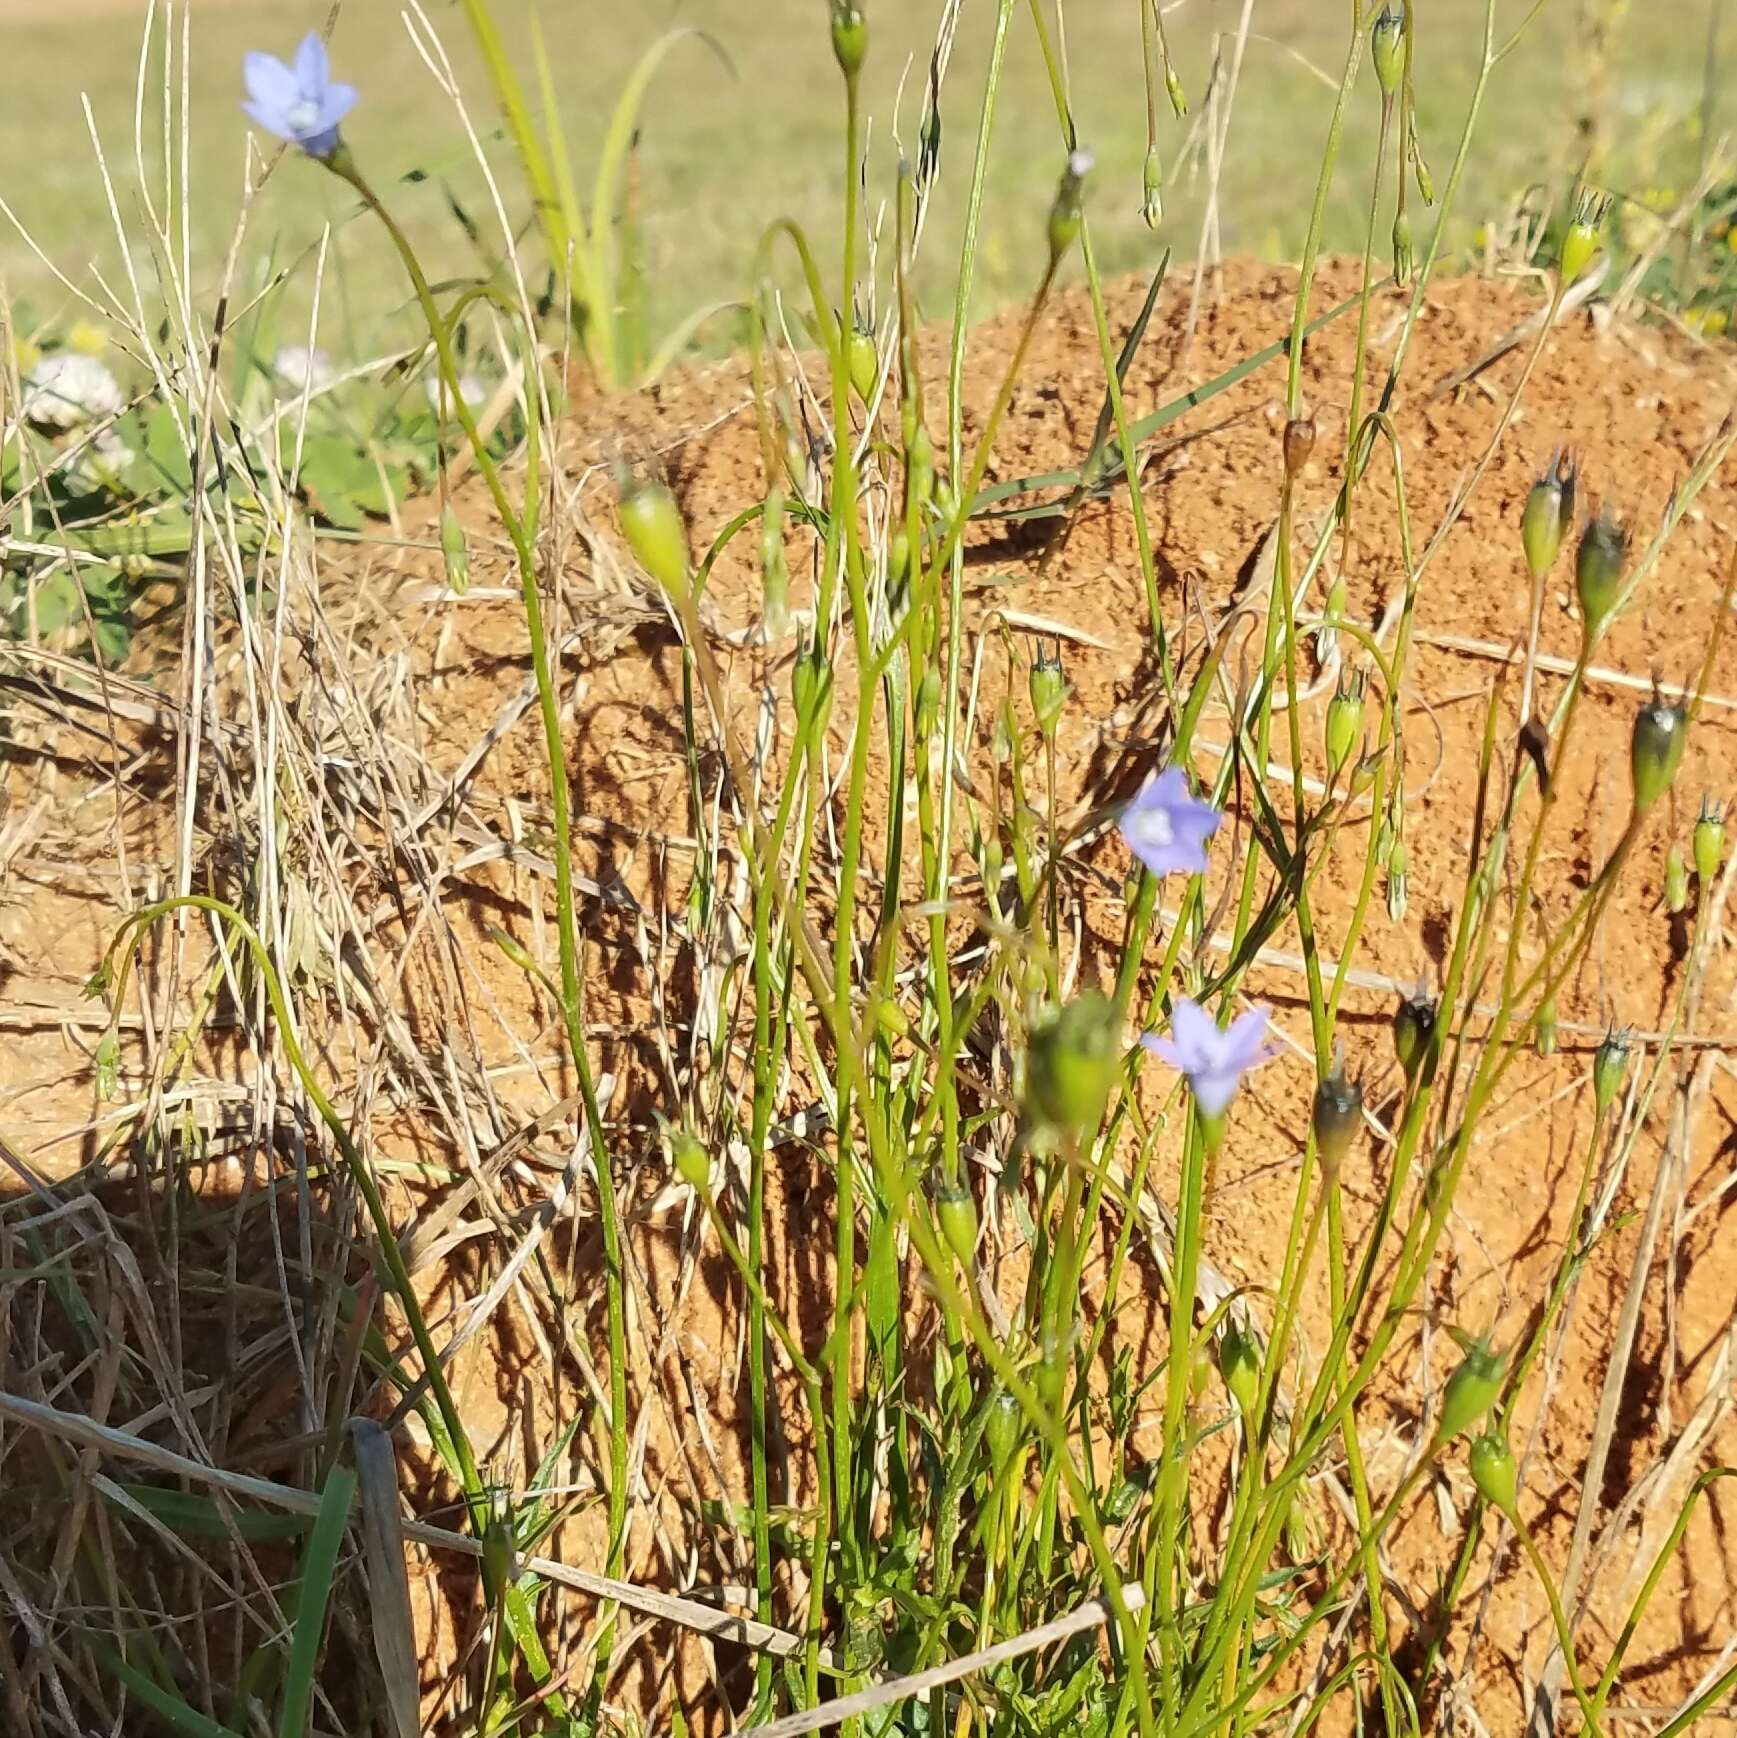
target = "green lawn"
x: 725, y: 152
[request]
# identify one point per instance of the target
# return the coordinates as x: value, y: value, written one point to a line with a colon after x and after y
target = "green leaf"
x: 319, y: 1563
x: 170, y: 470
x: 164, y: 1703
x: 198, y: 1516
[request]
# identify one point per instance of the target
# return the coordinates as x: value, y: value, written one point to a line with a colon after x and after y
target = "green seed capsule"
x: 1541, y: 524
x: 1240, y: 1365
x: 106, y: 1065
x: 1709, y: 842
x: 1413, y: 1026
x: 454, y: 551
x: 1544, y: 1037
x: 1338, y: 1116
x: 1419, y: 168
x: 849, y: 37
x: 656, y: 535
x: 1152, y: 190
x: 1068, y: 212
x: 863, y: 361
x: 928, y: 704
x: 957, y: 1213
x: 1299, y: 444
x: 1661, y: 729
x: 1404, y: 259
x: 1609, y: 1066
x: 1676, y: 879
x: 1398, y: 879
x: 1049, y: 690
x: 1173, y: 88
x: 1003, y: 1430
x: 1471, y: 1391
x: 1584, y: 235
x: 1598, y: 566
x: 1494, y: 1471
x: 1345, y: 722
x: 692, y: 1162
x: 1072, y: 1061
x: 1386, y: 49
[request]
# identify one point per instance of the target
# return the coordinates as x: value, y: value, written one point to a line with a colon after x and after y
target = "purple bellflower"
x: 1214, y: 1060
x: 299, y: 103
x: 1166, y: 828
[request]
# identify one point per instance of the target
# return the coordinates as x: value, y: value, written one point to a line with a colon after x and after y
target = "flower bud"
x: 1598, y: 566
x: 1345, y: 722
x: 1549, y: 511
x: 1403, y: 258
x: 957, y: 1214
x: 1494, y: 1471
x: 1002, y: 1430
x: 1583, y: 236
x: 1338, y: 1116
x: 811, y: 688
x: 1068, y: 211
x: 1152, y: 184
x: 1471, y: 1391
x: 653, y: 526
x: 849, y: 37
x: 863, y: 361
x: 1609, y: 1066
x: 1419, y: 168
x: 454, y: 551
x: 1709, y: 841
x: 1049, y: 690
x: 1413, y: 1023
x: 1544, y: 1030
x: 1072, y: 1061
x: 1299, y: 442
x: 1386, y: 49
x: 1239, y: 1364
x: 1676, y: 880
x: 1661, y: 728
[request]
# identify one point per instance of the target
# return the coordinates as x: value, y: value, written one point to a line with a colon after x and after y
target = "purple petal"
x: 1197, y: 1035
x: 1161, y: 1046
x: 313, y: 70
x: 337, y: 102
x: 1246, y: 1041
x: 1213, y: 1091
x: 269, y: 119
x: 269, y: 82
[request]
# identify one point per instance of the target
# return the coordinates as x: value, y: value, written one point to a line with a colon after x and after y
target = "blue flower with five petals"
x: 1166, y: 828
x: 299, y: 103
x: 1214, y: 1059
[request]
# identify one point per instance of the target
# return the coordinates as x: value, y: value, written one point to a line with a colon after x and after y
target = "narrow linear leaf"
x: 319, y: 1563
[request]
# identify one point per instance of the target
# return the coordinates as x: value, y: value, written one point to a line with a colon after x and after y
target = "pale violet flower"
x: 1214, y: 1060
x: 66, y: 388
x: 474, y: 393
x: 298, y: 103
x: 1166, y: 828
x: 302, y: 369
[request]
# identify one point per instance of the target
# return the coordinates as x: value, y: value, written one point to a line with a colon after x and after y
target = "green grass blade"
x: 319, y: 1563
x: 165, y: 1704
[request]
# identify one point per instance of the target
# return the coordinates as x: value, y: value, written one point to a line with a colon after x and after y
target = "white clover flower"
x: 66, y: 388
x: 101, y: 463
x: 302, y: 369
x: 471, y: 389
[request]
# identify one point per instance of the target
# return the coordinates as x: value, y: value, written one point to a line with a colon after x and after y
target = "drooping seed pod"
x: 1240, y: 1365
x: 1152, y: 189
x: 1072, y: 1061
x: 1404, y: 260
x: 1609, y: 1066
x: 1493, y: 1471
x: 1173, y: 88
x: 1338, y: 1116
x: 1413, y: 1025
x: 1661, y: 730
x: 1419, y: 167
x: 1676, y: 880
x: 1709, y: 841
x: 1386, y: 49
x: 1068, y: 211
x: 1049, y: 690
x: 849, y: 37
x: 692, y: 1162
x: 863, y: 360
x: 1598, y: 566
x: 1299, y: 442
x: 1471, y: 1391
x: 655, y: 533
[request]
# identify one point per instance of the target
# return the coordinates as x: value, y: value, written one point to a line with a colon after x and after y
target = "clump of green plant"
x: 982, y: 1544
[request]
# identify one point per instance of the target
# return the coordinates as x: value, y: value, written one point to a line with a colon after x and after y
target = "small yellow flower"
x: 25, y: 355
x: 87, y: 339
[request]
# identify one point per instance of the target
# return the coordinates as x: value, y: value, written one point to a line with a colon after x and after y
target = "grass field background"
x: 726, y: 150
